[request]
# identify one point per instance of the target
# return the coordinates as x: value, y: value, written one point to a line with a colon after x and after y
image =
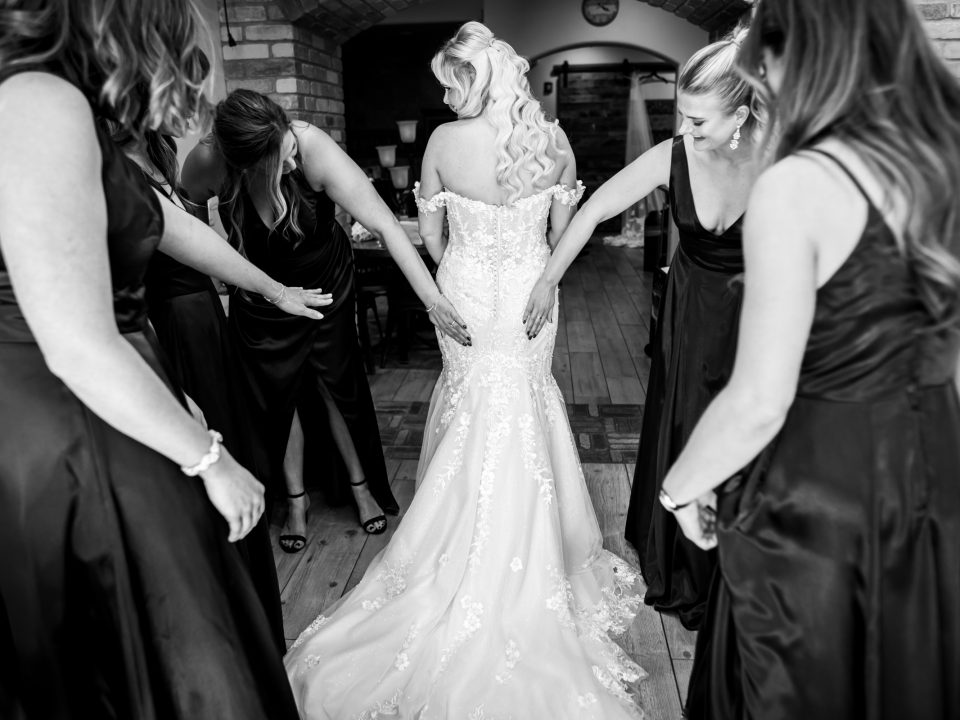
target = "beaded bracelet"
x: 279, y: 298
x: 212, y: 456
x: 669, y: 503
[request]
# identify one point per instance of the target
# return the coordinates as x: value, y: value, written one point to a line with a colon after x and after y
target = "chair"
x: 372, y: 282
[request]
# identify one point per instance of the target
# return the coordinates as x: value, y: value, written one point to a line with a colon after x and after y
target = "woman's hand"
x: 446, y: 318
x: 297, y: 301
x: 235, y: 493
x: 539, y: 308
x: 698, y: 520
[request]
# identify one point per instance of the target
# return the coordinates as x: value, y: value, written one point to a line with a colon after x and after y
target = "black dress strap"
x: 840, y: 164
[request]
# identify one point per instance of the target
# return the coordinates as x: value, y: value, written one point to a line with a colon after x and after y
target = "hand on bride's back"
x: 446, y: 318
x: 539, y: 310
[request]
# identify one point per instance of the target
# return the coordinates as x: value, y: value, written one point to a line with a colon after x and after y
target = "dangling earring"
x: 735, y: 140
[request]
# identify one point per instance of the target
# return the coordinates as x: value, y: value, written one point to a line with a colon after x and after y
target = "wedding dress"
x: 495, y: 598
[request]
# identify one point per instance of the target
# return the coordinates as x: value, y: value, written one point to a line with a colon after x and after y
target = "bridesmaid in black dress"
x: 278, y: 182
x: 840, y: 542
x: 708, y: 169
x: 121, y: 595
x: 187, y: 315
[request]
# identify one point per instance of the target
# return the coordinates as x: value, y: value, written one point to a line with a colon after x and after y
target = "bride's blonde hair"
x: 485, y: 75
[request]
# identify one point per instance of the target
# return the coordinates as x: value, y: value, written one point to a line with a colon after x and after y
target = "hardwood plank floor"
x: 599, y: 365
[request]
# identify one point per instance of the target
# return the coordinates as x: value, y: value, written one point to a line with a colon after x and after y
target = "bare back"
x: 465, y: 160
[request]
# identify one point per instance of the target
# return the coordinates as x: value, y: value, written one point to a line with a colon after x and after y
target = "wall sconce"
x: 400, y: 176
x: 408, y: 130
x: 388, y: 155
x: 548, y: 88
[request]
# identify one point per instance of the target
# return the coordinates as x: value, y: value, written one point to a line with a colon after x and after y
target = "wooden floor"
x: 605, y: 309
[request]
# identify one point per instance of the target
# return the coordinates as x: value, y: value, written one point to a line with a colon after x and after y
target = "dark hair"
x: 135, y: 60
x: 864, y: 72
x: 248, y: 130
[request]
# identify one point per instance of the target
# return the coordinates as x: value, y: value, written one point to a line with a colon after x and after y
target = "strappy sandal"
x: 375, y: 525
x: 291, y: 543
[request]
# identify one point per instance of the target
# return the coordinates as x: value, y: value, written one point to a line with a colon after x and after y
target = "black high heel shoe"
x: 375, y: 525
x: 291, y: 543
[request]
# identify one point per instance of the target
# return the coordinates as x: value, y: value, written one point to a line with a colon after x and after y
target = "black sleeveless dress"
x: 188, y: 317
x: 693, y: 353
x: 292, y: 362
x: 839, y: 590
x: 121, y: 597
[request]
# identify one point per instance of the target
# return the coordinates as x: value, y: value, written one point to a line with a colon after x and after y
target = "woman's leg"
x: 366, y: 504
x: 297, y: 499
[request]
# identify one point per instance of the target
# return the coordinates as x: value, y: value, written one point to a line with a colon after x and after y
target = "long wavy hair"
x: 248, y: 131
x: 137, y: 61
x: 864, y: 72
x: 713, y: 70
x: 487, y: 76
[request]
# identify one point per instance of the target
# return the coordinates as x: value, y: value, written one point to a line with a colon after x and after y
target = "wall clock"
x: 600, y: 12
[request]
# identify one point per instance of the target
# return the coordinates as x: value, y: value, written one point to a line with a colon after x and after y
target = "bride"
x: 495, y: 598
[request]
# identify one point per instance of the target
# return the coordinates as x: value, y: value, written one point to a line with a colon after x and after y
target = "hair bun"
x: 738, y: 35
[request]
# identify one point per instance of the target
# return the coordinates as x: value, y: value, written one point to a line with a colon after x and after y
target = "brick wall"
x: 293, y: 64
x: 942, y: 20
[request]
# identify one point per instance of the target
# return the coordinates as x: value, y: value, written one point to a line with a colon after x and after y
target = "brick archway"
x: 343, y: 19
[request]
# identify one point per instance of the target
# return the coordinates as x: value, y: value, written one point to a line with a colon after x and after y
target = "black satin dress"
x: 294, y: 362
x: 839, y: 592
x: 123, y: 597
x: 190, y: 323
x: 693, y: 353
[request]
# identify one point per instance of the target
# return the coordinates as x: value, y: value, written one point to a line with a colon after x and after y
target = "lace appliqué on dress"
x: 569, y: 196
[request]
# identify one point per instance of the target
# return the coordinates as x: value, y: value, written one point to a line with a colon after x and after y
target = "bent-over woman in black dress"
x: 278, y: 182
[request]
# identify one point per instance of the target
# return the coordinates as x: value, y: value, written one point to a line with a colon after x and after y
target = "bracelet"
x: 435, y: 305
x: 669, y: 503
x: 212, y: 456
x: 279, y: 298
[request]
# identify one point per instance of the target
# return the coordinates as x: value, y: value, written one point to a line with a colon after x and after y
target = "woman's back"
x: 466, y: 158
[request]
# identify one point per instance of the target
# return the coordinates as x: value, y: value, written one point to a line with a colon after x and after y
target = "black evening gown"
x: 693, y: 353
x: 123, y: 597
x: 293, y: 362
x: 839, y: 583
x: 188, y: 317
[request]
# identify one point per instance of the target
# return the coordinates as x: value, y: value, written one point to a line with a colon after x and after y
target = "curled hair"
x: 248, y: 131
x: 864, y: 72
x: 485, y: 75
x: 137, y: 61
x: 713, y: 70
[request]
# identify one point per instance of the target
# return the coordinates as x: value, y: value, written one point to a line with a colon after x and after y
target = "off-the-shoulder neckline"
x: 518, y: 202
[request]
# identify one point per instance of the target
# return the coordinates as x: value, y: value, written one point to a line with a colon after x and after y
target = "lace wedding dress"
x: 495, y: 598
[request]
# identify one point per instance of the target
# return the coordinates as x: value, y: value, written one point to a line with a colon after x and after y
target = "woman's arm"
x: 431, y: 223
x: 328, y: 167
x: 560, y: 213
x: 189, y: 240
x: 53, y: 238
x: 627, y: 187
x: 779, y: 301
x: 202, y: 175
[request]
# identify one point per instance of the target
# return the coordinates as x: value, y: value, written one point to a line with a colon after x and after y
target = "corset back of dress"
x: 494, y: 256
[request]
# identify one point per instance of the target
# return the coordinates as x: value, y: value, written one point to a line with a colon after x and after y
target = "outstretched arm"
x: 627, y: 187
x: 187, y: 239
x: 326, y: 166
